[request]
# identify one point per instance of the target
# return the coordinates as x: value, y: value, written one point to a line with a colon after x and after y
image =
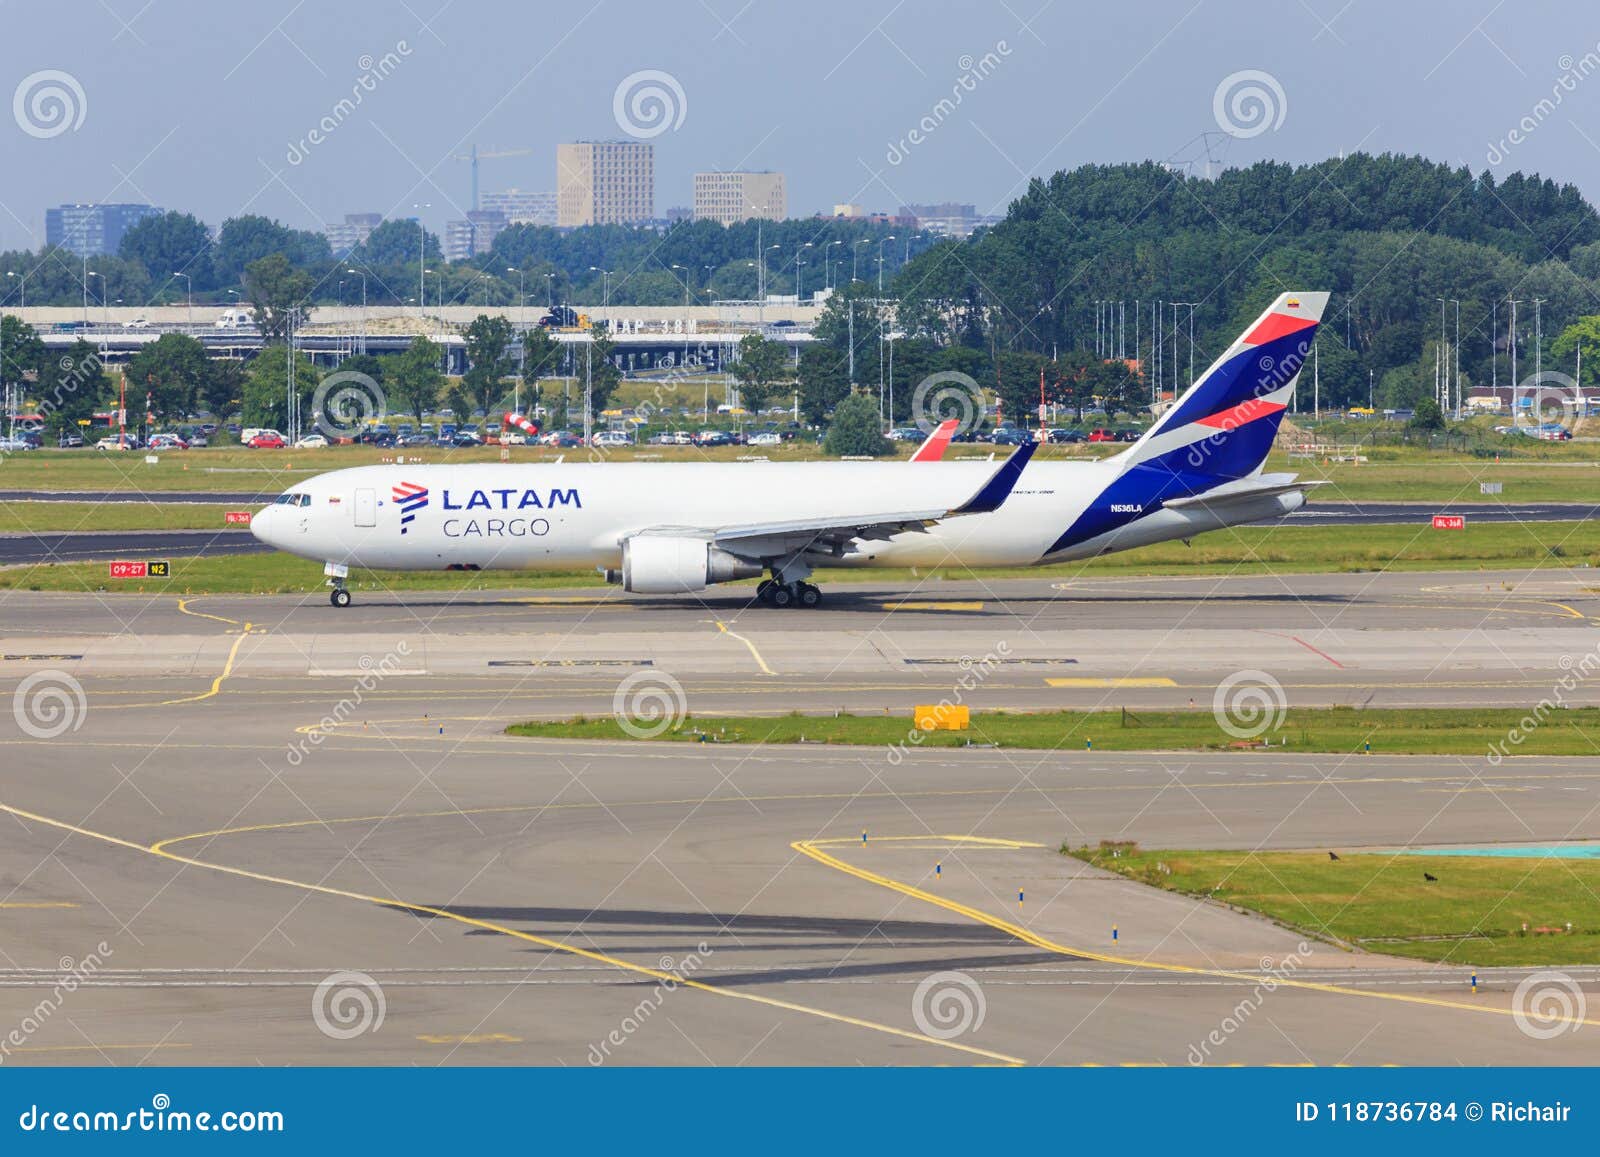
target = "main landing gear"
x: 796, y: 594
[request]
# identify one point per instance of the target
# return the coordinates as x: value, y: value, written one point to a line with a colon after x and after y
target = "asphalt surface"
x: 247, y: 799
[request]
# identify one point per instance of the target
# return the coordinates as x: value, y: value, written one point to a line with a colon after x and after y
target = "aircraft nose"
x: 261, y: 526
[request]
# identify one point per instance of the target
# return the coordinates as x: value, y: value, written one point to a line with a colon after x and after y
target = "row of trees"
x: 164, y: 257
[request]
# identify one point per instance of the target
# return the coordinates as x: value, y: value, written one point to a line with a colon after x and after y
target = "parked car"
x: 136, y: 323
x: 465, y: 440
x: 1101, y: 434
x: 267, y: 440
x: 1067, y: 437
x: 168, y: 442
x: 1128, y: 435
x: 1009, y: 436
x: 1549, y: 432
x: 312, y: 442
x: 198, y: 440
x: 69, y: 440
x: 9, y: 445
x: 766, y: 438
x: 611, y: 439
x: 905, y: 434
x: 124, y: 442
x: 713, y: 438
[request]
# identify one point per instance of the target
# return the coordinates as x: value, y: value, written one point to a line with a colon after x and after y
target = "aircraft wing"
x: 836, y: 534
x: 1244, y: 490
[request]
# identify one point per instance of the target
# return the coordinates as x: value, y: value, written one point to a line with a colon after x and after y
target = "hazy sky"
x: 200, y: 105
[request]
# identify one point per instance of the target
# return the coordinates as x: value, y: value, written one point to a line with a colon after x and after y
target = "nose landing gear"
x: 337, y: 573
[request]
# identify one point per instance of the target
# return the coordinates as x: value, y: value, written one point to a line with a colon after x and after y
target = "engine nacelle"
x: 654, y: 564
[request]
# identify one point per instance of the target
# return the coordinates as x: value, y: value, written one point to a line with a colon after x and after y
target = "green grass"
x: 1474, y: 914
x: 1337, y: 730
x: 1242, y: 550
x: 56, y: 517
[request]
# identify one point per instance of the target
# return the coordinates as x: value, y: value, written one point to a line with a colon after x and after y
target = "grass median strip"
x: 1478, y: 910
x: 1336, y: 730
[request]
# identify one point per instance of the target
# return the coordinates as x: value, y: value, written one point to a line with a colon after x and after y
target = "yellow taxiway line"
x: 659, y: 975
x: 813, y: 850
x: 762, y: 663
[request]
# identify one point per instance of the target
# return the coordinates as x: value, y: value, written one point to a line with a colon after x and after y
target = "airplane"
x: 675, y: 528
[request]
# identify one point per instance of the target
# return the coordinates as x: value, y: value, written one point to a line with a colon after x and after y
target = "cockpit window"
x: 292, y: 500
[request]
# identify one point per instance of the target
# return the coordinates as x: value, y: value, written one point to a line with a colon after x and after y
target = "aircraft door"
x: 366, y: 508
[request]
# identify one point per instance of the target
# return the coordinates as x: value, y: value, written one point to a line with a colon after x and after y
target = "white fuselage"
x: 562, y: 516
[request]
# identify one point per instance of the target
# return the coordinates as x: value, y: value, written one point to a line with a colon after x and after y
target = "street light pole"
x: 362, y: 273
x: 422, y: 259
x: 188, y: 294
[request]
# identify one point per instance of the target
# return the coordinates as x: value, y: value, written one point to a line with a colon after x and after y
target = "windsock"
x: 523, y: 423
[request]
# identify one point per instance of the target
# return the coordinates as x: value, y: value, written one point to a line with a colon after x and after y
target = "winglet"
x: 932, y: 450
x: 1000, y: 484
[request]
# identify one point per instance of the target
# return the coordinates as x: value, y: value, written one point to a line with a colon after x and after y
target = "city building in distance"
x: 522, y: 208
x: 730, y: 197
x: 353, y: 231
x: 473, y: 236
x: 946, y: 219
x: 605, y: 183
x: 92, y: 230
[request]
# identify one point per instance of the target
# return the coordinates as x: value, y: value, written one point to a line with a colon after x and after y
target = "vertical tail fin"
x: 1223, y: 425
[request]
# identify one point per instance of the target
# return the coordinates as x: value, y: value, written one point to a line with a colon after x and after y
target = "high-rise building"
x: 522, y: 208
x: 92, y: 230
x: 605, y: 183
x: 353, y: 231
x: 730, y: 197
x: 473, y: 236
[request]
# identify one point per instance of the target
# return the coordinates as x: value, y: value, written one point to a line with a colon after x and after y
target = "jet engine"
x: 655, y: 564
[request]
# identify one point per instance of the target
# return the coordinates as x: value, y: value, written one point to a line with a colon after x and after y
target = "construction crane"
x: 475, y: 156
